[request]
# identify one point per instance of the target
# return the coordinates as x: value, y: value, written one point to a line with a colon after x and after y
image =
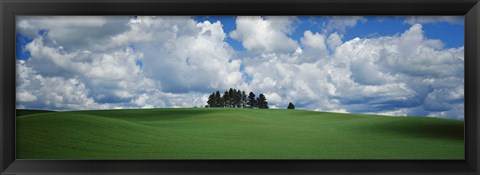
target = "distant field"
x: 197, y: 133
x: 21, y: 112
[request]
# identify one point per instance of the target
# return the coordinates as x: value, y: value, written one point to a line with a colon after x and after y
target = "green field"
x: 197, y: 133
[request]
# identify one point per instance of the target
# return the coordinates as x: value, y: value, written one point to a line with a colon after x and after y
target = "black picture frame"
x: 10, y: 8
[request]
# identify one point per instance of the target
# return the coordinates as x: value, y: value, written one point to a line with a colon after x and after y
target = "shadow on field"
x: 21, y: 112
x: 444, y: 130
x: 150, y: 114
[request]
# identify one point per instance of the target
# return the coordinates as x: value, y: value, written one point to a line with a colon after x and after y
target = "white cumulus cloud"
x: 434, y: 19
x: 264, y: 34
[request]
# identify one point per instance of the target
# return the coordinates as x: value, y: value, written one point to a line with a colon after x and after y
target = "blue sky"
x: 451, y: 34
x: 389, y: 65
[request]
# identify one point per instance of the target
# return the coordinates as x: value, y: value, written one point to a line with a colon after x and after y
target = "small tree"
x: 244, y: 99
x: 238, y: 99
x: 217, y: 99
x: 226, y: 99
x: 262, y: 102
x: 211, y: 100
x: 291, y: 106
x: 232, y: 98
x: 251, y: 100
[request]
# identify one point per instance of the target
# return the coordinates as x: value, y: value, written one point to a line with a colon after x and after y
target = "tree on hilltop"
x: 291, y: 106
x: 244, y: 99
x: 211, y: 100
x: 226, y: 99
x: 251, y: 100
x: 262, y: 102
x: 218, y: 99
x: 233, y: 98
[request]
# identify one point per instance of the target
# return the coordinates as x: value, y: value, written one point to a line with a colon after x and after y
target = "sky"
x: 387, y: 65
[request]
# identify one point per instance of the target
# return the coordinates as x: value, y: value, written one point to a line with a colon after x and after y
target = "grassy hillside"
x: 234, y: 134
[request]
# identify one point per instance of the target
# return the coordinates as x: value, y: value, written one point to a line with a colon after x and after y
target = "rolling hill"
x: 198, y: 133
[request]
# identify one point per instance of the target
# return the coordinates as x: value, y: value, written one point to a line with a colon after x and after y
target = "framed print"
x: 191, y: 87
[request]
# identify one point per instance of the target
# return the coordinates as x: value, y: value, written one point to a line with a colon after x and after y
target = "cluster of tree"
x: 233, y: 98
x: 291, y: 106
